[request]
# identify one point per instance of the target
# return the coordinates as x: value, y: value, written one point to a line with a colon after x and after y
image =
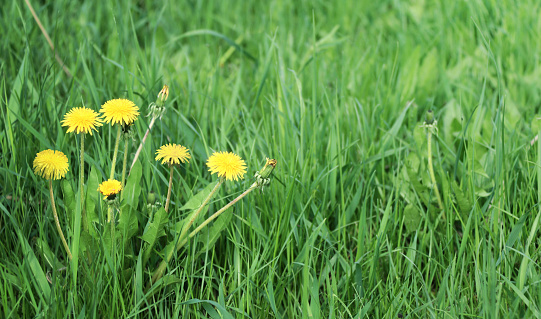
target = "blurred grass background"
x: 336, y: 92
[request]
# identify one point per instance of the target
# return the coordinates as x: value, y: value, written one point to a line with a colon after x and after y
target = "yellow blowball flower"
x: 82, y: 119
x: 173, y: 154
x: 51, y: 164
x: 110, y: 188
x: 227, y: 165
x: 120, y: 111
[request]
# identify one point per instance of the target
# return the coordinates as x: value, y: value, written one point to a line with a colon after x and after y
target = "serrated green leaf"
x: 132, y: 190
x: 464, y: 204
x: 69, y: 197
x: 91, y: 199
x: 127, y: 224
x: 155, y: 230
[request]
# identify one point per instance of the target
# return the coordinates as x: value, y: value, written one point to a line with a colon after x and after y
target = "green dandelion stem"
x: 142, y: 142
x: 115, y: 153
x: 431, y: 169
x: 58, y: 222
x: 223, y: 209
x: 124, y: 161
x: 82, y: 183
x: 168, y: 200
x: 192, y: 220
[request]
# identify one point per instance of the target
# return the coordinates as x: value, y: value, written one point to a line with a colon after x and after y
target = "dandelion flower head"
x: 110, y: 188
x: 227, y: 165
x: 173, y: 154
x: 51, y: 164
x: 82, y: 119
x: 120, y: 111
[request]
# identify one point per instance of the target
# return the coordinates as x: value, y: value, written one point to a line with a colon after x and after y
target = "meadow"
x: 372, y: 211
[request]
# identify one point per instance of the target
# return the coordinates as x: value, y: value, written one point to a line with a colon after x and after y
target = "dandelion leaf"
x: 155, y: 230
x: 412, y: 218
x: 209, y: 235
x: 197, y: 199
x: 92, y: 197
x: 464, y: 204
x: 69, y: 197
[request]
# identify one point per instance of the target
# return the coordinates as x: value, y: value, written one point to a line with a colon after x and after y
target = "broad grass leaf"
x: 223, y: 312
x: 513, y: 236
x: 44, y: 249
x: 20, y: 87
x: 354, y: 203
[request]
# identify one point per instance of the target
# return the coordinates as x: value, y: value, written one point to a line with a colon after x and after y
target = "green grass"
x: 336, y: 92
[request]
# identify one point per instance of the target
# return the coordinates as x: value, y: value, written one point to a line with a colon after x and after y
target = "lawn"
x: 407, y: 176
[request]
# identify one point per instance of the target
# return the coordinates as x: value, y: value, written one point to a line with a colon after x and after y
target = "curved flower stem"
x: 431, y: 170
x: 168, y: 200
x: 142, y: 142
x: 115, y: 153
x: 192, y: 220
x: 124, y: 162
x: 82, y: 183
x: 158, y: 273
x: 58, y: 222
x: 223, y: 209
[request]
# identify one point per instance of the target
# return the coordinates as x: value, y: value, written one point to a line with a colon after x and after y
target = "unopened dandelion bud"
x: 429, y: 117
x: 268, y: 168
x: 151, y: 198
x: 164, y: 94
x: 156, y: 111
x: 263, y: 177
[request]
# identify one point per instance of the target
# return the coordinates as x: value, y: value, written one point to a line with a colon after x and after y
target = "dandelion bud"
x: 164, y: 94
x: 268, y: 168
x: 263, y: 177
x: 429, y: 117
x: 151, y: 198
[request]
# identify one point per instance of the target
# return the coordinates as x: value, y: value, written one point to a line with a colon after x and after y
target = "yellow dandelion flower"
x: 51, y: 164
x: 173, y: 154
x: 110, y: 188
x: 120, y: 111
x: 227, y: 165
x: 82, y: 119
